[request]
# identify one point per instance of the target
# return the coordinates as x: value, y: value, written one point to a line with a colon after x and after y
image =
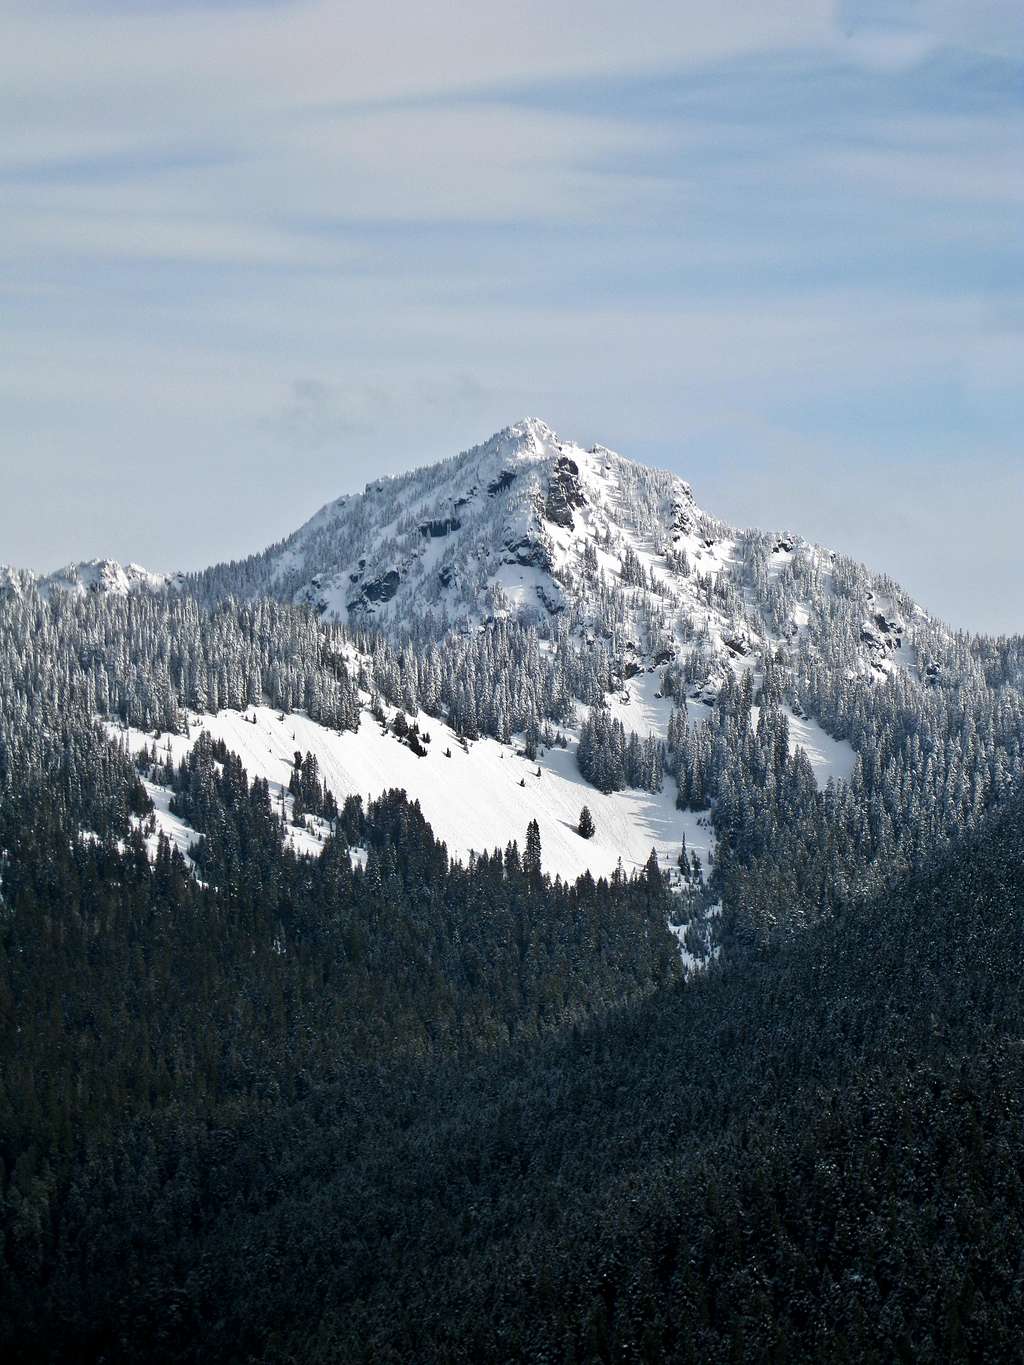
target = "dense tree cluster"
x: 610, y: 759
x: 377, y: 1105
x: 144, y: 658
x: 310, y: 1110
x: 932, y: 762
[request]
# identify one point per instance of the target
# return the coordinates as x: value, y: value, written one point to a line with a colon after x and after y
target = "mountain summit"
x: 502, y: 528
x: 533, y: 527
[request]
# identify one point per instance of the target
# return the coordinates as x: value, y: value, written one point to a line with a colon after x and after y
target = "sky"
x: 254, y: 253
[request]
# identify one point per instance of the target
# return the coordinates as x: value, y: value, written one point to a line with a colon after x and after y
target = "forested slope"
x: 817, y: 1158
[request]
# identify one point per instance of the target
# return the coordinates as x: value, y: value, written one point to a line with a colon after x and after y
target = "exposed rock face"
x: 889, y: 625
x: 530, y: 553
x: 384, y: 588
x: 380, y: 589
x: 738, y: 642
x: 502, y: 482
x: 440, y: 526
x: 565, y: 492
x: 881, y: 634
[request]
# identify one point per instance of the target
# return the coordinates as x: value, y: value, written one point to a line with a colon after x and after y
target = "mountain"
x: 518, y: 917
x: 501, y: 528
x: 614, y: 560
x: 533, y: 526
x: 539, y: 529
x: 572, y: 628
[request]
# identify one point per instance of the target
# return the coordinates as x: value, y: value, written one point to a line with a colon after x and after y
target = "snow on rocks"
x: 109, y: 577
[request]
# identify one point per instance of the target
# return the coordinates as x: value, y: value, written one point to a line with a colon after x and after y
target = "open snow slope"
x: 478, y: 799
x: 180, y: 835
x: 830, y: 758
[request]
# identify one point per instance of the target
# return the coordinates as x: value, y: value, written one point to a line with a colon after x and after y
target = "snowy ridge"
x: 108, y: 577
x: 539, y: 528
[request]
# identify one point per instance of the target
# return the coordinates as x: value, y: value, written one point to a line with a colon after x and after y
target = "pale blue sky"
x: 253, y: 254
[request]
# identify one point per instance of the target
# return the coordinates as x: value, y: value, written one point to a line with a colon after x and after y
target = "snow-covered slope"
x: 476, y: 798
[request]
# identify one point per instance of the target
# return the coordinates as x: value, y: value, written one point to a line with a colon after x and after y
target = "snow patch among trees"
x: 479, y: 798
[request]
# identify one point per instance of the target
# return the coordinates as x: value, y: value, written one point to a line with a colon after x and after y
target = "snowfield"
x: 179, y: 835
x: 830, y: 758
x: 479, y: 799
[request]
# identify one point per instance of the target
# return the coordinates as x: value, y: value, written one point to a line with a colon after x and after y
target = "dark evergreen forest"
x: 304, y: 1111
x: 376, y: 1105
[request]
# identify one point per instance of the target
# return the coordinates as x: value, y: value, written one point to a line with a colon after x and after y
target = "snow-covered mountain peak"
x: 107, y: 576
x: 530, y: 525
x: 526, y: 524
x: 529, y: 438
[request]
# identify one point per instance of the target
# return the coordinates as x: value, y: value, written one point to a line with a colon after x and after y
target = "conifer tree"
x: 531, y: 854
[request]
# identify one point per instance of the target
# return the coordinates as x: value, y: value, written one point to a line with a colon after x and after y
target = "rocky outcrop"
x: 382, y: 589
x: 528, y: 552
x: 565, y: 491
x: 377, y: 590
x: 503, y: 481
x: 682, y: 519
x: 440, y: 526
x: 738, y: 643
